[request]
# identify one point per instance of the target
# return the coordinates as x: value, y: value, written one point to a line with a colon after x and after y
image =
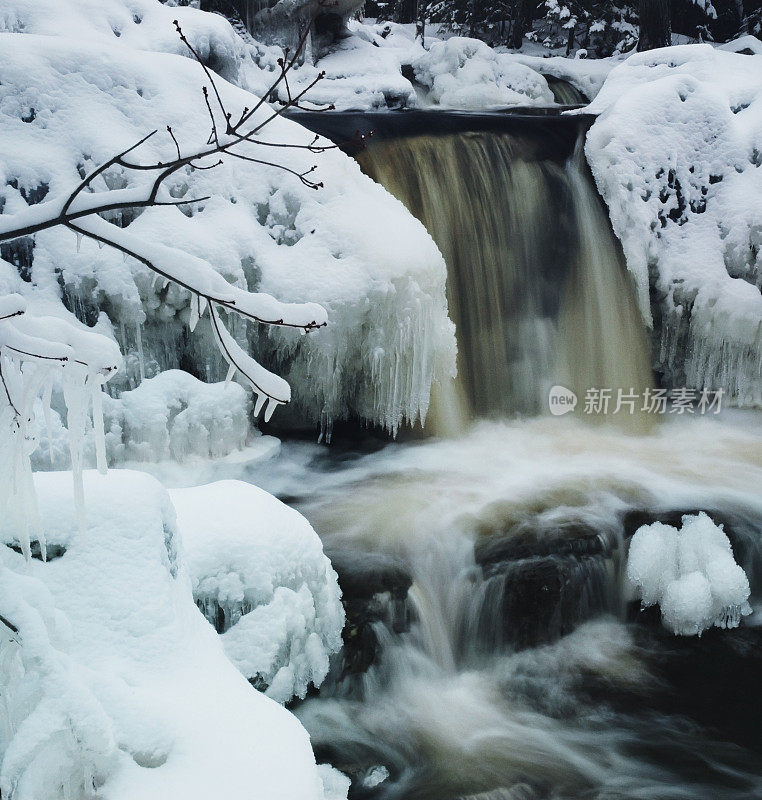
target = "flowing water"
x: 536, y: 283
x: 491, y: 648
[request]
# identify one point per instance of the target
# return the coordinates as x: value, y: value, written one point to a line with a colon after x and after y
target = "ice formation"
x: 468, y: 74
x: 676, y: 152
x: 259, y: 574
x: 35, y: 351
x: 690, y: 573
x: 262, y: 230
x: 113, y: 683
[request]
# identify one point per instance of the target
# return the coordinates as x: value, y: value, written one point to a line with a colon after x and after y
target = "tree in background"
x: 600, y: 26
x: 655, y: 24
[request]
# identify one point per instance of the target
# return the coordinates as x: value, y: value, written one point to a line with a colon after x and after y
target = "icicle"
x: 272, y: 404
x: 100, y: 436
x: 202, y: 304
x: 141, y: 360
x: 79, y: 240
x: 261, y: 399
x: 74, y: 395
x: 194, y: 315
x: 229, y: 376
x: 100, y: 245
x: 46, y: 413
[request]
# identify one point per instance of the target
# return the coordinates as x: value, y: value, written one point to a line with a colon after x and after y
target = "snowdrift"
x: 114, y: 683
x: 676, y: 152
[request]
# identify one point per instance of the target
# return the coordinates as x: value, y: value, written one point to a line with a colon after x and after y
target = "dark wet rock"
x: 541, y: 582
x: 52, y: 551
x: 536, y: 600
x: 574, y: 539
x: 374, y: 589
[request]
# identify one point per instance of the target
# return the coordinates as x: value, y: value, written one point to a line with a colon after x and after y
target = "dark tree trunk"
x: 655, y: 26
x: 404, y: 11
x: 520, y: 23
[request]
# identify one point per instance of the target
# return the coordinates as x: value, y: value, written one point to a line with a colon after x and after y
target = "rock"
x: 374, y: 588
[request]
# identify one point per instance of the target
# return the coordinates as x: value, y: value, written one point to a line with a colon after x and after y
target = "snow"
x: 585, y: 74
x: 466, y: 73
x: 114, y: 683
x: 174, y: 416
x: 86, y: 94
x: 172, y: 421
x: 363, y: 71
x: 690, y: 573
x: 261, y: 565
x: 675, y: 152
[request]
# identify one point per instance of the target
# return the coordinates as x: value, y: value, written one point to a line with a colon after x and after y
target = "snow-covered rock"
x: 259, y: 574
x: 466, y: 73
x: 360, y: 75
x: 676, y: 152
x: 587, y: 75
x: 70, y: 97
x: 690, y: 573
x: 113, y: 683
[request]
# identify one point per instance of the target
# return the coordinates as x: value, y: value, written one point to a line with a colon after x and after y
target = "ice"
x: 113, y: 683
x: 259, y: 573
x: 675, y: 152
x: 34, y: 351
x: 176, y: 416
x: 690, y: 573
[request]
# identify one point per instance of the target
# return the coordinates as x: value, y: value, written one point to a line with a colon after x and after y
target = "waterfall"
x: 537, y: 285
x: 491, y: 651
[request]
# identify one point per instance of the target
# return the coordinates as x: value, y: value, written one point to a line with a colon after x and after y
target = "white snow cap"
x: 690, y: 573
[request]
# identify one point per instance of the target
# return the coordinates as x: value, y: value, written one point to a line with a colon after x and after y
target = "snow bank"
x: 68, y: 102
x: 113, y: 683
x: 676, y: 153
x: 690, y: 573
x: 259, y: 574
x: 468, y: 74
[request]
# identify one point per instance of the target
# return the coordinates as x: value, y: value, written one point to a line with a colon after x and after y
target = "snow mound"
x: 690, y: 573
x: 676, y: 153
x: 171, y: 417
x: 463, y: 73
x: 69, y: 102
x: 363, y: 72
x: 137, y: 24
x: 259, y: 575
x: 113, y: 682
